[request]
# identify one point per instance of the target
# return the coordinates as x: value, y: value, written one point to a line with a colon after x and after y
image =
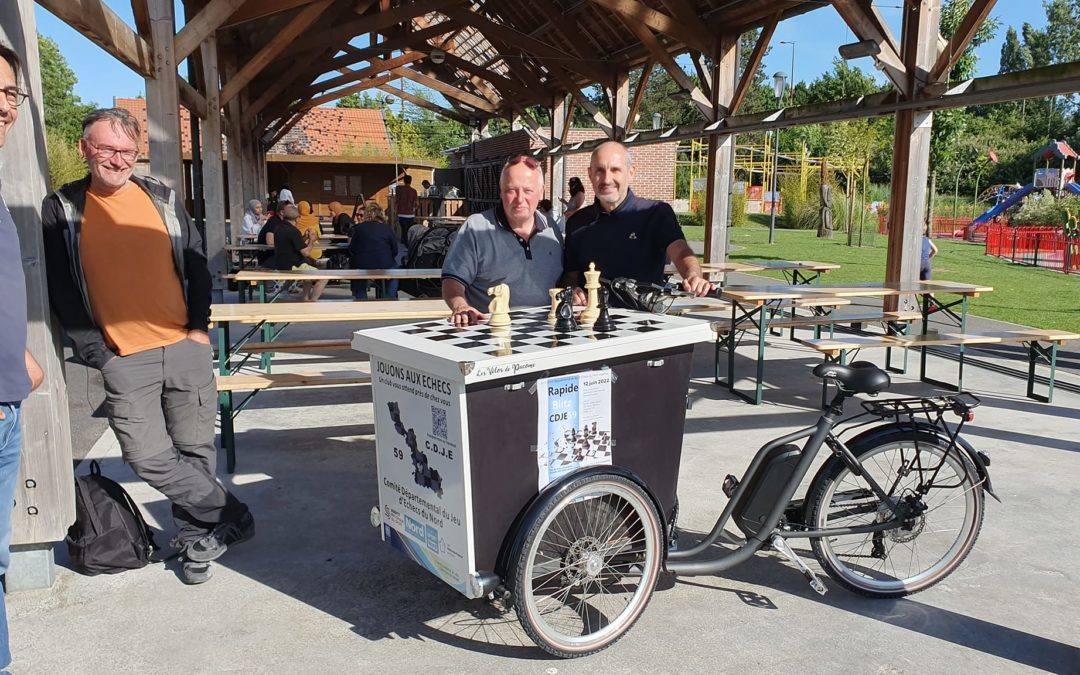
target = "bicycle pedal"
x: 731, y: 483
x: 782, y: 547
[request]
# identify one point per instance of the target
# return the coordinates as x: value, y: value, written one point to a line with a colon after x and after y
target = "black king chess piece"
x: 604, y: 324
x: 564, y: 313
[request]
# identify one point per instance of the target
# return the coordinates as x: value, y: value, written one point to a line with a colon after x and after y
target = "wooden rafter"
x: 660, y: 53
x: 424, y: 103
x: 192, y: 99
x: 691, y: 34
x: 571, y: 105
x: 867, y: 24
x: 202, y: 24
x: 960, y: 40
x: 301, y: 70
x: 142, y: 18
x: 515, y: 39
x: 446, y: 89
x: 639, y: 93
x: 334, y: 95
x: 747, y: 79
x: 704, y: 76
x: 301, y: 22
x: 410, y: 39
x: 258, y: 9
x: 99, y: 24
x: 284, y: 129
x: 376, y: 66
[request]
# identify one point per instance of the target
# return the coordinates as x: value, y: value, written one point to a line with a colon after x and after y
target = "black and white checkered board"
x: 594, y: 447
x: 530, y: 332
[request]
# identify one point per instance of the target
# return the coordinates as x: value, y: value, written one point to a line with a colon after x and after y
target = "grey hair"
x: 506, y: 167
x: 289, y: 212
x: 117, y: 117
x: 12, y: 58
x: 626, y: 151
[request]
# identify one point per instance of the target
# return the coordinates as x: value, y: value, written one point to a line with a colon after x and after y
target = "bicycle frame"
x: 819, y: 435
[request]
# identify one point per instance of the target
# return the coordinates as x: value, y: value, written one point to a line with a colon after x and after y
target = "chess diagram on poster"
x: 423, y: 474
x: 573, y: 424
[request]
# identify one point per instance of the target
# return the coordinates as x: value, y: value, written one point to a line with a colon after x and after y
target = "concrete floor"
x: 317, y: 592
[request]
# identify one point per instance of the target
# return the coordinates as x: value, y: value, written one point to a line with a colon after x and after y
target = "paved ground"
x: 316, y: 591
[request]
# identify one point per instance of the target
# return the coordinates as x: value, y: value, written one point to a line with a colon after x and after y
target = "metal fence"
x: 946, y: 228
x: 1037, y: 245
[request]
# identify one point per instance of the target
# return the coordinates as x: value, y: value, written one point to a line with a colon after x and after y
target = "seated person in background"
x: 266, y: 238
x: 291, y: 252
x: 308, y: 224
x: 373, y: 246
x: 284, y: 196
x: 511, y: 244
x: 544, y: 208
x: 253, y: 218
x: 626, y: 235
x: 342, y: 221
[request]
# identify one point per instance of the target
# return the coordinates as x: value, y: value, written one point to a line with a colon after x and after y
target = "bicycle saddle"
x: 861, y: 377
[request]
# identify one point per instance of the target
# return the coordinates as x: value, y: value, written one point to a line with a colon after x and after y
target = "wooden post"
x: 213, y: 167
x: 558, y: 162
x: 234, y: 169
x: 163, y: 100
x: 721, y: 153
x: 620, y: 106
x: 911, y: 152
x: 45, y: 494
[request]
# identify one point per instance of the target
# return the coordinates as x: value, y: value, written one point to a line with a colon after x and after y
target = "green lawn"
x: 1024, y: 295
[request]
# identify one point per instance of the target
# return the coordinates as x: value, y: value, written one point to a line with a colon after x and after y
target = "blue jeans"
x: 10, y: 446
x: 384, y: 289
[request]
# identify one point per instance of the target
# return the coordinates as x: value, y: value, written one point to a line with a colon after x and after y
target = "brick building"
x: 481, y: 161
x: 331, y: 154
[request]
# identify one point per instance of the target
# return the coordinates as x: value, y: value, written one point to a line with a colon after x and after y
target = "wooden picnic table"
x: 753, y: 305
x: 795, y: 271
x: 256, y: 276
x: 261, y: 319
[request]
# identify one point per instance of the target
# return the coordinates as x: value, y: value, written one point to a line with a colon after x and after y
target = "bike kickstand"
x: 782, y: 547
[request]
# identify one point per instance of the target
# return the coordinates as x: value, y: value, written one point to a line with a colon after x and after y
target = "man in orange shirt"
x: 128, y: 280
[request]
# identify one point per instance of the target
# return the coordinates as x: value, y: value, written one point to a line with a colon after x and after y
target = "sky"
x: 816, y: 35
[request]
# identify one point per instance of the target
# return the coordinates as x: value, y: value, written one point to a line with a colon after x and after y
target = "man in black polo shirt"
x: 626, y: 235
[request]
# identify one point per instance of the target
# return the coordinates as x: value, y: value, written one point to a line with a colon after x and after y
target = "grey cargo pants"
x: 161, y: 405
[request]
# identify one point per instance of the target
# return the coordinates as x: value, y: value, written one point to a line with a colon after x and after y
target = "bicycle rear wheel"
x: 589, y: 563
x: 941, y: 490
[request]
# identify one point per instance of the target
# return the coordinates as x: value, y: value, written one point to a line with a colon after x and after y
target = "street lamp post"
x: 778, y: 89
x: 791, y: 93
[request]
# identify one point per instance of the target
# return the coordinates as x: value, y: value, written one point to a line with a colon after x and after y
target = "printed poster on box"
x: 421, y: 471
x: 573, y: 423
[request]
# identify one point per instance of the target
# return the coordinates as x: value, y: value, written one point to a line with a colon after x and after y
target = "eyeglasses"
x: 15, y: 96
x: 105, y: 153
x: 523, y: 159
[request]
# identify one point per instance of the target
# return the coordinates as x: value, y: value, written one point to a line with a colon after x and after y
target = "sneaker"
x: 196, y: 572
x: 211, y: 546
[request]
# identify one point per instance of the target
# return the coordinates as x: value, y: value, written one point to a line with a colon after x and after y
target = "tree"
x: 362, y: 100
x: 64, y: 111
x: 1014, y: 55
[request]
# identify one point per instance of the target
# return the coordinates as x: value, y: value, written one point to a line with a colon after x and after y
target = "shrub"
x: 738, y: 210
x: 65, y: 163
x: 689, y: 220
x: 1042, y: 208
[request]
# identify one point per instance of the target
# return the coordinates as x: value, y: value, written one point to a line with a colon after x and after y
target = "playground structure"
x: 1057, y: 179
x: 754, y: 175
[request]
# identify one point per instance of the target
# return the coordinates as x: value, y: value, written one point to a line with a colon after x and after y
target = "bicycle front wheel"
x: 589, y: 563
x: 939, y: 489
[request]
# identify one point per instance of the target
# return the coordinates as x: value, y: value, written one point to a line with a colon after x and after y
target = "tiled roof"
x: 321, y: 132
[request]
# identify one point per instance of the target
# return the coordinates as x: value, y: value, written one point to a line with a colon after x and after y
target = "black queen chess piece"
x: 564, y: 313
x: 603, y: 323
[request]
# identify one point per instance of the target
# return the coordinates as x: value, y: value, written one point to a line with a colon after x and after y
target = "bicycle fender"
x: 874, y: 434
x: 514, y: 539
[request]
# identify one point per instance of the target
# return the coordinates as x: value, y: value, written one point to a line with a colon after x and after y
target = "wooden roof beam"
x: 691, y: 34
x: 191, y: 99
x: 867, y: 24
x: 301, y: 22
x: 338, y: 93
x: 259, y: 9
x: 752, y: 65
x: 205, y: 23
x: 446, y: 90
x: 298, y: 71
x: 142, y: 19
x: 639, y: 93
x: 424, y: 103
x: 660, y: 53
x: 513, y: 38
x: 99, y: 24
x: 376, y: 66
x: 960, y: 40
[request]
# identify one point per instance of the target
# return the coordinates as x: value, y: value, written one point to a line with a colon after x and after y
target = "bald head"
x: 611, y: 172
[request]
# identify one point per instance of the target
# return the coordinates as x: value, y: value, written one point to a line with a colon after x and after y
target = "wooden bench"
x: 256, y: 382
x: 295, y: 346
x: 1042, y: 346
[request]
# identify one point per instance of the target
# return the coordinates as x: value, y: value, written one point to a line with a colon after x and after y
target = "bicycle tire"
x: 928, y: 547
x: 601, y: 537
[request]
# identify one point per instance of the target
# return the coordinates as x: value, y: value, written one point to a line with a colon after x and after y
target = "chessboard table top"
x: 529, y: 345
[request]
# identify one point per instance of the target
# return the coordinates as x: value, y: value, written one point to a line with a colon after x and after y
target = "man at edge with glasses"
x: 128, y: 280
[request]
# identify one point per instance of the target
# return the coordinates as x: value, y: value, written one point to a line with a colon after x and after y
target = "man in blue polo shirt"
x: 511, y: 244
x: 623, y: 234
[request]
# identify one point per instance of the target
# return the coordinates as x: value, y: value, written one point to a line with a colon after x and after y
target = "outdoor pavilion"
x: 255, y: 66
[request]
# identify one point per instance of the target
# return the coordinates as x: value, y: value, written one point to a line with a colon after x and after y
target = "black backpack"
x: 109, y: 534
